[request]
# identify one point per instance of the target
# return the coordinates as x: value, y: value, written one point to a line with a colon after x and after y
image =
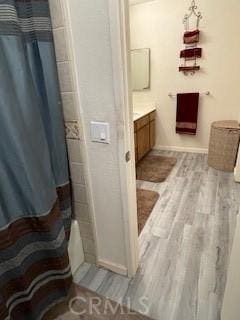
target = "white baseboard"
x: 116, y: 268
x: 181, y: 149
x: 75, y: 247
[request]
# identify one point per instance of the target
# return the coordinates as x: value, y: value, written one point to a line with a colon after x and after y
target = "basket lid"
x: 226, y: 124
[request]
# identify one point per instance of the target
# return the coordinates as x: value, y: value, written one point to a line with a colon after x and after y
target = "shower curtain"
x: 35, y: 204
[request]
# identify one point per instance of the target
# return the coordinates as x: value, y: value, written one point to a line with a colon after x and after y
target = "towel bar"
x: 171, y: 95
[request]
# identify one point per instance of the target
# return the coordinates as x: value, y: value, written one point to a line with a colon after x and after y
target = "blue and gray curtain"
x: 35, y: 205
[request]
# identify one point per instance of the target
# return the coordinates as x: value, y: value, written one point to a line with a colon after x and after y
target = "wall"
x: 158, y: 25
x: 237, y: 168
x: 74, y: 133
x: 231, y: 307
x: 91, y: 44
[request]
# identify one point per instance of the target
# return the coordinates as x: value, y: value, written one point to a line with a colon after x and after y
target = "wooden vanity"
x: 144, y: 134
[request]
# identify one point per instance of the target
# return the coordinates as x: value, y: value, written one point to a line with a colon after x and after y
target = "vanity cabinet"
x: 143, y: 141
x: 144, y: 135
x: 152, y: 129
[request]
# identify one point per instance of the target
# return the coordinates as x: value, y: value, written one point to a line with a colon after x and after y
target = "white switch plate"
x: 100, y: 132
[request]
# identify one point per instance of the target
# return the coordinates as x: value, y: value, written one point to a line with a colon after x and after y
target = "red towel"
x: 187, y: 113
x: 191, y: 37
x: 191, y: 53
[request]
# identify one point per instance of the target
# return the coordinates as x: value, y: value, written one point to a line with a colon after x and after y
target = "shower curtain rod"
x: 171, y: 95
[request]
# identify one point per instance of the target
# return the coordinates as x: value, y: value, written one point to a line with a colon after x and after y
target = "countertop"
x: 140, y: 111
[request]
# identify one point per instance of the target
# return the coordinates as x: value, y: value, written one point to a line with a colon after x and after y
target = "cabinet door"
x: 152, y: 134
x: 143, y: 141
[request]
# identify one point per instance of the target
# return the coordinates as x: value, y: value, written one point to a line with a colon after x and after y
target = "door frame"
x: 121, y: 64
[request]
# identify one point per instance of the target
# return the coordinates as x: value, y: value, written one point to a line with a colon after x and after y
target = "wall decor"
x: 191, y: 39
x: 72, y: 130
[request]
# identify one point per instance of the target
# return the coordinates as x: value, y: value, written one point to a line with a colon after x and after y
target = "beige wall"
x: 158, y: 25
x: 91, y: 46
x: 74, y: 132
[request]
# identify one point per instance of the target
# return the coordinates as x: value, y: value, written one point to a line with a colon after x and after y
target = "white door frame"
x: 120, y: 40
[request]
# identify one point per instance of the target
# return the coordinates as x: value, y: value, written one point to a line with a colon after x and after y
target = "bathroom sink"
x: 135, y: 115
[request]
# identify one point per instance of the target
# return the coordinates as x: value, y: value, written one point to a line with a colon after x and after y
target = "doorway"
x: 182, y: 249
x: 184, y: 233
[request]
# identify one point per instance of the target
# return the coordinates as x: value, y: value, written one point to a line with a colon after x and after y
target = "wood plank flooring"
x: 184, y: 247
x: 85, y: 304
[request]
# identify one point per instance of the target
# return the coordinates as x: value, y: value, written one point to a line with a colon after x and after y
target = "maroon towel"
x: 191, y: 37
x: 187, y: 113
x: 191, y: 53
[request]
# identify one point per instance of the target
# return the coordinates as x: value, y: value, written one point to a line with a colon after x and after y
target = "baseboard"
x: 116, y: 268
x: 75, y: 247
x: 237, y: 174
x: 181, y: 149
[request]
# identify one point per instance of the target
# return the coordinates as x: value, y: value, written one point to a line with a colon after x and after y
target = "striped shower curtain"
x: 35, y: 206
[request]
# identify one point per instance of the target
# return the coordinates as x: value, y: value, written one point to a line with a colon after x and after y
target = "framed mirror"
x: 140, y: 62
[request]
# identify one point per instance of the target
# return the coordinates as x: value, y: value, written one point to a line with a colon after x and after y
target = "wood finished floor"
x: 184, y: 247
x: 86, y: 304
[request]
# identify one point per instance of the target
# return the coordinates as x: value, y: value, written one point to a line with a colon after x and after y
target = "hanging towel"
x: 191, y: 53
x: 187, y: 113
x: 191, y: 37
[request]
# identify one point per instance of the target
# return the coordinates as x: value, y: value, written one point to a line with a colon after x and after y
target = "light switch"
x: 100, y: 132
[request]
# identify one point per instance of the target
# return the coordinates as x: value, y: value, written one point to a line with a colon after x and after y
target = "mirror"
x: 140, y: 60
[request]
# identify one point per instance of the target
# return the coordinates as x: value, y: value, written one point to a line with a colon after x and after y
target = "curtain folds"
x: 35, y: 203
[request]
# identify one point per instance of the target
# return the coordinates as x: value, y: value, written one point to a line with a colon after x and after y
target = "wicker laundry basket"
x: 223, y: 146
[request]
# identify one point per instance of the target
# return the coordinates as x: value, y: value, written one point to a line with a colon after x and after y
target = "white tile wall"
x: 74, y: 134
x: 77, y: 173
x: 57, y: 15
x: 90, y: 258
x: 69, y: 106
x: 89, y: 246
x: 65, y: 76
x: 82, y: 212
x: 60, y: 44
x: 86, y: 230
x: 79, y: 193
x: 75, y: 151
